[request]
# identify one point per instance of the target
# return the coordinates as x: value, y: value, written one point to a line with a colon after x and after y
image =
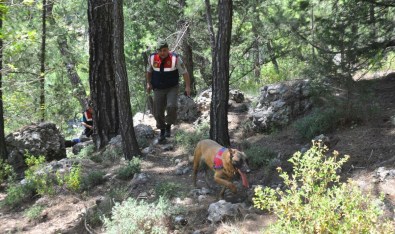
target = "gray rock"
x: 187, y: 109
x: 36, y: 139
x: 279, y: 104
x: 222, y: 210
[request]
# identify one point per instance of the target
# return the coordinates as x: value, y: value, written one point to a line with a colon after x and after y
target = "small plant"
x: 112, y: 154
x: 36, y: 175
x: 132, y: 216
x: 143, y: 142
x: 34, y: 212
x: 86, y: 152
x: 167, y: 189
x: 17, y: 194
x: 189, y: 140
x: 118, y: 194
x: 314, y: 201
x: 5, y: 170
x: 133, y: 167
x: 73, y: 179
x: 259, y: 156
x: 316, y: 123
x: 92, y: 179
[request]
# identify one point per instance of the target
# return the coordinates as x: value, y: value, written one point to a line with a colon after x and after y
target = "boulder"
x: 37, y: 139
x: 187, y: 109
x: 280, y: 103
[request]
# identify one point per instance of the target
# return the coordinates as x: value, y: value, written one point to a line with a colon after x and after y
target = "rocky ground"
x: 370, y: 144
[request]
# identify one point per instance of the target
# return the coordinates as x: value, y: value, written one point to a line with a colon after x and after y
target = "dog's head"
x: 239, y: 160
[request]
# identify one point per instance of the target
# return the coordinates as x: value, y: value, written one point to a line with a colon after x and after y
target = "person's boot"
x: 162, y: 135
x: 168, y: 130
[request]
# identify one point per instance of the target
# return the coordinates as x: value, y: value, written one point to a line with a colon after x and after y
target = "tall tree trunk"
x: 272, y: 56
x: 69, y: 62
x: 42, y: 60
x: 3, y: 149
x: 255, y: 29
x: 220, y: 62
x: 101, y: 71
x: 130, y: 145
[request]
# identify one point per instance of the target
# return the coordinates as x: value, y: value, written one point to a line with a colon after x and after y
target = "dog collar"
x: 218, y: 159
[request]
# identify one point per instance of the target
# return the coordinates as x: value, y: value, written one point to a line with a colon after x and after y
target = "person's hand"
x: 149, y: 88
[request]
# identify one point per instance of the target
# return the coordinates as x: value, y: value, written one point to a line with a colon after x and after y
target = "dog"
x: 223, y: 161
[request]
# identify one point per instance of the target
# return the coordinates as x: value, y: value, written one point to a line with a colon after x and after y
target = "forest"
x: 58, y: 56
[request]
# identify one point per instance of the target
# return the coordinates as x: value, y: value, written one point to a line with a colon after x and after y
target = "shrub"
x: 259, y: 156
x: 189, y: 140
x: 314, y: 200
x: 317, y: 122
x: 132, y: 216
x: 73, y: 179
x: 166, y: 189
x: 118, y: 194
x: 17, y: 194
x: 86, y: 152
x: 127, y: 172
x: 34, y: 212
x: 36, y: 175
x: 5, y: 170
x: 92, y: 179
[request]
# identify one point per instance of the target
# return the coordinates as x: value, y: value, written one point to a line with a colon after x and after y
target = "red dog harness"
x: 218, y: 159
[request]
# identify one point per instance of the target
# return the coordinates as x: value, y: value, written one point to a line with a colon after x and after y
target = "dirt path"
x: 370, y: 145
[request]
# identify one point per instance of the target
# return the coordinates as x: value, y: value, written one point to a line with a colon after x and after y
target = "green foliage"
x: 259, y: 156
x: 317, y: 122
x: 132, y: 216
x: 188, y: 140
x: 167, y: 189
x: 133, y: 167
x: 314, y: 201
x: 86, y: 152
x: 118, y: 194
x: 112, y: 154
x: 17, y: 194
x: 6, y: 170
x: 36, y: 175
x: 92, y: 179
x: 73, y: 179
x: 34, y: 212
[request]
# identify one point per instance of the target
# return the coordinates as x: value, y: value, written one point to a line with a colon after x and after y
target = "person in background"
x: 163, y: 72
x: 87, y: 122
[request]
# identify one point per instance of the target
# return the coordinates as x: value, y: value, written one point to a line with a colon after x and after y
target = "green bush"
x: 319, y: 121
x: 17, y: 194
x: 259, y: 156
x: 86, y: 152
x: 36, y: 175
x: 92, y: 179
x: 34, y: 212
x: 166, y: 189
x: 133, y: 167
x: 132, y: 216
x: 118, y: 194
x: 73, y: 178
x: 5, y: 170
x: 189, y: 140
x: 314, y: 201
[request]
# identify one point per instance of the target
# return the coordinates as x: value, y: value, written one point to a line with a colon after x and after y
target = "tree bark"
x: 130, y: 145
x: 42, y: 61
x: 69, y: 62
x: 220, y: 67
x: 3, y: 149
x: 101, y: 71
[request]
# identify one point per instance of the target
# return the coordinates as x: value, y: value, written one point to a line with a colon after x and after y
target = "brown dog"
x: 224, y: 162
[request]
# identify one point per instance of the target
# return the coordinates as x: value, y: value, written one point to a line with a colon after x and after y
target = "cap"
x: 161, y: 44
